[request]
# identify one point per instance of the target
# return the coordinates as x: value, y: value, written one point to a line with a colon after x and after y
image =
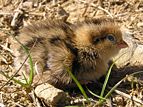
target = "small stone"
x: 51, y: 95
x: 140, y: 24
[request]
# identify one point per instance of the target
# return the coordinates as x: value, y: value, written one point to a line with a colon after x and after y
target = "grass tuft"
x: 28, y: 82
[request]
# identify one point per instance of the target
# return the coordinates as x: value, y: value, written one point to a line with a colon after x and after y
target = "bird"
x: 97, y: 41
x: 83, y: 48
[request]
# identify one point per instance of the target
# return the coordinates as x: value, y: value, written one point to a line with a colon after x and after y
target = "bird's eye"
x: 96, y: 40
x: 110, y: 37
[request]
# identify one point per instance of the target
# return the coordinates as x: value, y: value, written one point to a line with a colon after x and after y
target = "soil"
x: 14, y: 14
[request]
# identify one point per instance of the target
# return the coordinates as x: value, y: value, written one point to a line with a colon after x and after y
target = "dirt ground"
x: 14, y: 14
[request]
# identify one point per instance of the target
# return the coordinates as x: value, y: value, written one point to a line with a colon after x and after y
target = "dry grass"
x: 16, y: 13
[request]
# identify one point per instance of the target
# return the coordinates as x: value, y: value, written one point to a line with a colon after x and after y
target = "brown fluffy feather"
x: 60, y: 45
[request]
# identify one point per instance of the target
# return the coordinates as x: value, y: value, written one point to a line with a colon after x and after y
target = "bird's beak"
x: 122, y: 44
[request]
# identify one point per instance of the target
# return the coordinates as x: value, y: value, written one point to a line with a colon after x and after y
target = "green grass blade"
x: 25, y: 78
x: 78, y: 84
x: 15, y: 80
x: 106, y: 80
x: 31, y: 70
x: 31, y: 66
x: 30, y: 80
x: 107, y: 77
x: 95, y: 95
x: 115, y: 86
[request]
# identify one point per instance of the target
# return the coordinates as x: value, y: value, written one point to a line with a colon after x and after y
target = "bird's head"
x: 98, y: 38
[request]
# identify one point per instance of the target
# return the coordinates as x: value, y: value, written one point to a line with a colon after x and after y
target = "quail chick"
x: 48, y: 43
x: 85, y: 49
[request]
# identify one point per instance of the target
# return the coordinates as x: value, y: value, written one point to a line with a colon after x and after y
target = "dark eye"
x: 110, y: 37
x: 96, y: 40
